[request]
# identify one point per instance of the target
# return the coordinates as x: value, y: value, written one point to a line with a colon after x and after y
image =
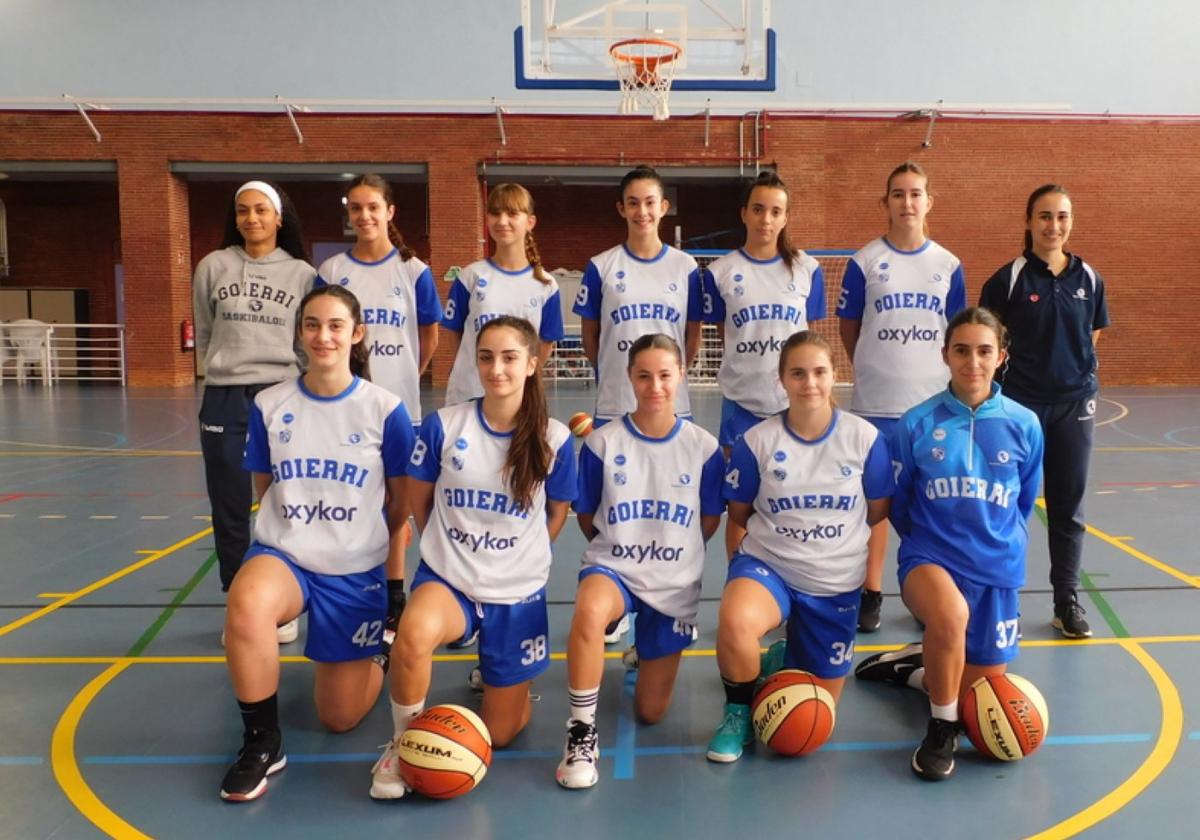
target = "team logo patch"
x: 1034, y: 298
x: 939, y: 434
x: 460, y: 444
x: 1090, y: 408
x: 355, y: 438
x: 533, y: 303
x: 739, y: 290
x: 345, y: 281
x: 685, y: 480
x: 674, y: 287
x: 780, y: 474
x: 1002, y: 456
x: 397, y: 291
x: 780, y: 456
x: 256, y: 305
x: 846, y: 471
x: 883, y: 266
x: 619, y: 478
x: 938, y: 453
x: 288, y: 418
x: 791, y: 287
x: 619, y: 460
x: 1080, y: 294
x: 457, y: 462
x: 620, y: 275
x: 937, y: 278
x: 620, y: 287
x: 883, y: 278
x: 285, y: 435
x: 480, y: 296
x: 737, y: 278
x: 482, y: 284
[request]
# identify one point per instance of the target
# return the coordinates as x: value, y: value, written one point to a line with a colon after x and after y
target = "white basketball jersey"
x: 761, y: 303
x: 632, y: 297
x: 397, y: 296
x: 482, y: 292
x: 327, y: 458
x: 904, y: 300
x: 647, y: 496
x: 810, y: 512
x: 478, y: 538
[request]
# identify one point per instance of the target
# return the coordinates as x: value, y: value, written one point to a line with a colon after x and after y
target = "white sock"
x: 583, y: 704
x: 947, y: 712
x: 401, y: 715
x: 916, y: 679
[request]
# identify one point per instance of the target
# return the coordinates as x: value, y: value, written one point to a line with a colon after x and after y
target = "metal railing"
x: 62, y: 352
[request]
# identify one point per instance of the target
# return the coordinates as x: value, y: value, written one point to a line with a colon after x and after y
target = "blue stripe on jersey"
x: 429, y: 306
x: 712, y: 479
x: 398, y: 441
x: 426, y: 461
x: 695, y: 304
x: 854, y: 293
x: 815, y: 306
x: 562, y: 484
x: 350, y: 256
x: 591, y: 481
x: 552, y: 319
x: 714, y: 304
x: 345, y: 393
x: 587, y: 301
x: 878, y: 477
x: 257, y: 457
x: 457, y: 306
x: 741, y: 476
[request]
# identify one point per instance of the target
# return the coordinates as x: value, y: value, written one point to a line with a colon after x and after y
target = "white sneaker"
x: 385, y: 776
x: 287, y: 633
x: 614, y: 632
x: 475, y: 680
x: 580, y: 754
x: 630, y: 659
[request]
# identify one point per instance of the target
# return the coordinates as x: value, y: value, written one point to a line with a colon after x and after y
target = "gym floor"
x: 116, y: 714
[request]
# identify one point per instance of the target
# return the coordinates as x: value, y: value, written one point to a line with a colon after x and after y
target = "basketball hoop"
x: 645, y: 69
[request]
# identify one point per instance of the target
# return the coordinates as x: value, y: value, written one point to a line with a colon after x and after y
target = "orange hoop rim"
x: 642, y: 60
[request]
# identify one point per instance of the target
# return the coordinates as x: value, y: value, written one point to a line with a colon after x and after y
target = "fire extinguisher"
x: 187, y: 335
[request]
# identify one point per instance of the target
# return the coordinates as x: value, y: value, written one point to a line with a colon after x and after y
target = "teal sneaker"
x: 733, y: 734
x: 772, y: 660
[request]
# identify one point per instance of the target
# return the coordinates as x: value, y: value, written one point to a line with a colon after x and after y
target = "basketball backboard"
x: 728, y: 45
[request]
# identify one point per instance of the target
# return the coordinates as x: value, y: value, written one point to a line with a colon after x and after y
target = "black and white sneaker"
x: 614, y: 632
x: 869, y: 609
x: 580, y: 754
x: 934, y: 759
x: 891, y: 666
x: 463, y: 644
x: 261, y: 756
x: 1068, y: 620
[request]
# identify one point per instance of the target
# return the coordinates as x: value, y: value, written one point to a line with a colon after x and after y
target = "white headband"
x: 264, y: 188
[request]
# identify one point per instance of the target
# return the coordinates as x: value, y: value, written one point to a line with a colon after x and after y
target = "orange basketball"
x: 580, y: 424
x: 793, y: 715
x: 1005, y: 716
x: 445, y: 752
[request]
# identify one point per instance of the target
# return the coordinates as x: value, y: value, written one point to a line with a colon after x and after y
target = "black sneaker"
x: 892, y: 666
x: 1068, y: 620
x: 261, y: 756
x: 868, y: 610
x: 463, y: 644
x: 934, y: 759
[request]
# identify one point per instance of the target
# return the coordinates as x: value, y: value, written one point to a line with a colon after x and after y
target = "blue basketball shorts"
x: 345, y: 612
x: 820, y: 628
x: 735, y: 422
x: 514, y: 639
x: 994, y: 616
x: 655, y: 634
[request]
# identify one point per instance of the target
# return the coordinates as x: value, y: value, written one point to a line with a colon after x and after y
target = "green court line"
x: 165, y: 616
x: 1102, y: 606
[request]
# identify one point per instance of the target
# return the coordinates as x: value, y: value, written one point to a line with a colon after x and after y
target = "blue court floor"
x: 116, y: 715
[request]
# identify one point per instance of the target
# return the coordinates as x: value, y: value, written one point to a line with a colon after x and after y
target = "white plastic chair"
x: 28, y: 339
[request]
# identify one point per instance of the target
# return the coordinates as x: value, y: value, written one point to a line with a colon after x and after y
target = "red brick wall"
x: 1134, y: 187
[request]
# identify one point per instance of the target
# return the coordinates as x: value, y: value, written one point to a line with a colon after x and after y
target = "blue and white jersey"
x: 646, y: 496
x: 397, y: 296
x: 904, y: 300
x: 810, y: 499
x: 478, y: 537
x: 632, y: 297
x: 761, y: 303
x: 327, y: 458
x: 966, y: 482
x: 484, y: 291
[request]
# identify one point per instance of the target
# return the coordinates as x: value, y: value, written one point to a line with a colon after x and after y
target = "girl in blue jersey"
x: 898, y: 294
x: 512, y: 281
x: 490, y: 483
x: 400, y: 308
x: 328, y: 452
x: 968, y: 462
x: 649, y: 499
x: 806, y: 485
x: 757, y: 296
x: 246, y: 298
x: 639, y: 287
x: 1053, y: 305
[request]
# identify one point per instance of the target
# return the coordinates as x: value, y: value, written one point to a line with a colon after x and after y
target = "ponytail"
x: 535, y: 259
x: 381, y: 186
x: 783, y: 243
x: 529, y: 457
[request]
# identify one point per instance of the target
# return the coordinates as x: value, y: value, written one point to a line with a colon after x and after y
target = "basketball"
x: 1005, y: 716
x: 445, y: 752
x: 793, y: 715
x: 580, y: 424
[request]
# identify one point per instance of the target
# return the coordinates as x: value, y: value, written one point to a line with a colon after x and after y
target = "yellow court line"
x: 55, y: 594
x: 1169, y: 734
x: 66, y: 768
x: 100, y: 584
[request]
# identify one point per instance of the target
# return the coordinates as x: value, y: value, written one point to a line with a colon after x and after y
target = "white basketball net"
x: 645, y: 70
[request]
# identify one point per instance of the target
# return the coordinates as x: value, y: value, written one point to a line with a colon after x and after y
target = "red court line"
x: 12, y: 497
